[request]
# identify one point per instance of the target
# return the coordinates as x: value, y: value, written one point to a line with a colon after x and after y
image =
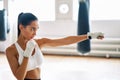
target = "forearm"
x: 74, y: 39
x: 22, y: 70
x: 68, y: 40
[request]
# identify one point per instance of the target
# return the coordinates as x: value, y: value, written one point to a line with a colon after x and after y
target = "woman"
x: 25, y: 55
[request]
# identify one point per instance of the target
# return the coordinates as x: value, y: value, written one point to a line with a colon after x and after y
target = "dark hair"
x: 25, y: 19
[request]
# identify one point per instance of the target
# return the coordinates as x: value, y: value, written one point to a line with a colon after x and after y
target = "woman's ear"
x: 21, y: 27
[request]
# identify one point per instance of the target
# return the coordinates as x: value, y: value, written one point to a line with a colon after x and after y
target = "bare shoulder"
x: 42, y: 41
x: 11, y: 50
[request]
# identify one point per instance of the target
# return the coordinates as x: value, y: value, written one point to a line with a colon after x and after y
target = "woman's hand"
x: 29, y: 48
x: 96, y: 35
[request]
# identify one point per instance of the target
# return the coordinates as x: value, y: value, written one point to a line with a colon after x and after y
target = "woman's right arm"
x: 19, y: 71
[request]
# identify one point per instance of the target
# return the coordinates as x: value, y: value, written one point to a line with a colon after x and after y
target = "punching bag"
x: 3, y: 25
x: 83, y: 25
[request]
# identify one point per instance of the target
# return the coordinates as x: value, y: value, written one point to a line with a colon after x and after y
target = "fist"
x: 29, y: 48
x: 97, y: 35
x: 31, y: 44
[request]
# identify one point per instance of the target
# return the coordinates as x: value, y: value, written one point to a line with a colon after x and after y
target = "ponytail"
x: 25, y: 19
x: 19, y: 22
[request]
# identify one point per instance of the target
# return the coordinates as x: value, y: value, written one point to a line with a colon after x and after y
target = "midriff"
x: 33, y: 74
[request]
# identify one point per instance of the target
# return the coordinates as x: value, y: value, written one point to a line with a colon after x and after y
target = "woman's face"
x: 29, y: 31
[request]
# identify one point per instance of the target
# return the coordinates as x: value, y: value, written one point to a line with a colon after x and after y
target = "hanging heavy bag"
x: 3, y: 25
x: 83, y: 26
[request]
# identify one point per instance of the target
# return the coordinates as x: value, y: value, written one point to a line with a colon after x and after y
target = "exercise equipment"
x: 4, y: 29
x: 83, y: 25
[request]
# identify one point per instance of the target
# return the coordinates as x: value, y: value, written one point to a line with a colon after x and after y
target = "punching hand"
x: 96, y: 35
x: 30, y: 46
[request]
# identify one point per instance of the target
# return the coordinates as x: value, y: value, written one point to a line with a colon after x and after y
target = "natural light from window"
x: 45, y: 9
x: 105, y: 9
x: 1, y: 5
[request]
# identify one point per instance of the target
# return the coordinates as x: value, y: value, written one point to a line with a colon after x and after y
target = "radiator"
x: 109, y: 47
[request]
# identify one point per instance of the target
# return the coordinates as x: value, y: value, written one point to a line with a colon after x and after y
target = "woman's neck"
x: 22, y: 41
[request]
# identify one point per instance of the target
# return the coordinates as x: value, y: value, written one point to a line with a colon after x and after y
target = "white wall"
x: 110, y: 28
x: 55, y: 29
x: 11, y: 38
x: 66, y: 28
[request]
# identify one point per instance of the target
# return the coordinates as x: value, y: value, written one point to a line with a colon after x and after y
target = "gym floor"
x: 56, y: 67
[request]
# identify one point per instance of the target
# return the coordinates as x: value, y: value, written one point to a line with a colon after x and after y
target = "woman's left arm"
x: 60, y: 42
x: 67, y: 40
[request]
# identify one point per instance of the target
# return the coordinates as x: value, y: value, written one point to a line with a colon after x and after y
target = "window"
x: 1, y: 4
x: 45, y: 9
x: 105, y: 9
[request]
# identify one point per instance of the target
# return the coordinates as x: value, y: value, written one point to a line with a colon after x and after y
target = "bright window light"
x: 45, y: 9
x: 105, y: 9
x: 100, y: 10
x: 1, y: 5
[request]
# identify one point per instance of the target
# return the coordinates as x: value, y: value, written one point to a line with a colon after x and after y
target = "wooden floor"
x: 71, y: 68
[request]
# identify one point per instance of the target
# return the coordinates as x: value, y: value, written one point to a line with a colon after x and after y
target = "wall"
x: 54, y: 29
x: 110, y: 28
x: 66, y: 28
x: 11, y: 38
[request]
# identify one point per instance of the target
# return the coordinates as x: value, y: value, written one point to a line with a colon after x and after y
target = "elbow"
x: 18, y: 77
